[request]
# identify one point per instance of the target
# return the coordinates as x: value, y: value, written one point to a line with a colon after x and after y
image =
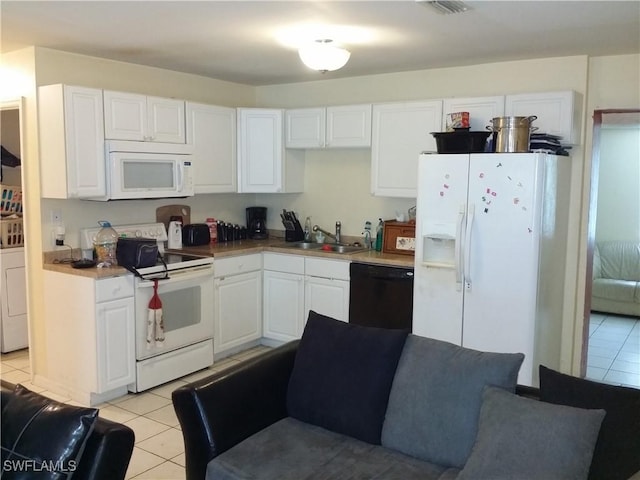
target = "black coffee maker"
x: 257, y: 223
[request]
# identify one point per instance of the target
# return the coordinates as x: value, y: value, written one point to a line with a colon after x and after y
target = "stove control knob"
x: 138, y: 233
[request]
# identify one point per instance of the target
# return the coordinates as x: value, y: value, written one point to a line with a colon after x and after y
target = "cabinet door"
x: 13, y: 301
x: 349, y: 126
x: 238, y: 307
x: 260, y: 166
x: 559, y: 113
x: 305, y: 127
x: 401, y: 131
x: 125, y: 116
x: 165, y: 120
x: 283, y: 306
x: 481, y: 110
x: 71, y: 138
x: 212, y: 132
x: 326, y: 296
x: 116, y: 356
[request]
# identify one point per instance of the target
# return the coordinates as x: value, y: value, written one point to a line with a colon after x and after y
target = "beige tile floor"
x: 159, y: 450
x: 613, y: 354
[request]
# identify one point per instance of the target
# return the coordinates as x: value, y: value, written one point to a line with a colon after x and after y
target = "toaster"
x: 195, y: 234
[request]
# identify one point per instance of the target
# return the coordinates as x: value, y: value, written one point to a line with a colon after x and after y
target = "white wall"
x: 612, y: 83
x: 618, y: 216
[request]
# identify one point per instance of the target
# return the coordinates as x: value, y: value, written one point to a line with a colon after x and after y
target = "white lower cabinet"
x: 326, y: 288
x: 283, y: 300
x: 90, y: 335
x: 327, y: 296
x: 238, y: 302
x: 115, y: 348
x: 295, y: 284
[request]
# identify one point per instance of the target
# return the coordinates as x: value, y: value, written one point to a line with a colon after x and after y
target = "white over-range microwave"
x: 137, y: 170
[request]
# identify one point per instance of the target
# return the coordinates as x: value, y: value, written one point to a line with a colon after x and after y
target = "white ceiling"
x: 238, y: 40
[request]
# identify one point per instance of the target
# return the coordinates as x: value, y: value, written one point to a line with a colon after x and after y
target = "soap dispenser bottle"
x: 379, y: 230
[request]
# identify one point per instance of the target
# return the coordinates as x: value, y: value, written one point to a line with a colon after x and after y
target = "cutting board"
x: 164, y: 214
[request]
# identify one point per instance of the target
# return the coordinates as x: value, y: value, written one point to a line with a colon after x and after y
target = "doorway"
x: 611, y: 337
x: 13, y: 288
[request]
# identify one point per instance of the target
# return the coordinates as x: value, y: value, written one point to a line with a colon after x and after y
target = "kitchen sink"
x: 304, y: 245
x: 332, y: 247
x: 326, y: 247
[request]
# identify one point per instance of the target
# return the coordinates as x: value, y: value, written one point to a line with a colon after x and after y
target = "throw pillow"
x: 617, y: 452
x: 436, y: 396
x: 342, y: 376
x: 524, y: 439
x: 43, y: 435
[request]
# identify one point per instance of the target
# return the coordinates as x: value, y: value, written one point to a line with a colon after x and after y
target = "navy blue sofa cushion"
x: 342, y: 376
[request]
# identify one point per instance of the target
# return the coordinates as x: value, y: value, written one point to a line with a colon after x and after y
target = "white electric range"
x: 184, y: 342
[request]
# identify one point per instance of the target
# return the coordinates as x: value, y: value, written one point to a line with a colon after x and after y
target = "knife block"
x: 295, y: 235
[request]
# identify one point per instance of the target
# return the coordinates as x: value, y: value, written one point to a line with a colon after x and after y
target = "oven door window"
x: 187, y: 312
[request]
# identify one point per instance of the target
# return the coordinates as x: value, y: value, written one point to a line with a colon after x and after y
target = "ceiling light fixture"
x: 321, y: 55
x: 446, y: 7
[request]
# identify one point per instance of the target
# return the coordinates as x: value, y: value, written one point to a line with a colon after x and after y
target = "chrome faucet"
x: 336, y: 236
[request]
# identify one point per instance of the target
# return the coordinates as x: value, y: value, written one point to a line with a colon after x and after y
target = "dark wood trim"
x: 591, y: 225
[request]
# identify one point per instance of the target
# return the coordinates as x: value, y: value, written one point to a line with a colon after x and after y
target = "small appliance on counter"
x: 195, y: 235
x: 174, y: 234
x: 292, y: 229
x: 257, y: 223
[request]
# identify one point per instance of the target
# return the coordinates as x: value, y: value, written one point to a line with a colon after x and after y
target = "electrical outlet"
x: 56, y: 216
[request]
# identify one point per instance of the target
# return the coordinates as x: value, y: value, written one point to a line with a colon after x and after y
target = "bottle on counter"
x: 105, y: 245
x: 379, y: 231
x: 307, y: 229
x: 213, y: 229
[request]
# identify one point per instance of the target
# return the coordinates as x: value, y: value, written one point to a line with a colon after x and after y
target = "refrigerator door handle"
x: 467, y: 247
x: 459, y: 247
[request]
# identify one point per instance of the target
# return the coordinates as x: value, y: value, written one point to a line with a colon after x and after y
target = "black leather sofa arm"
x: 108, y: 449
x: 222, y: 410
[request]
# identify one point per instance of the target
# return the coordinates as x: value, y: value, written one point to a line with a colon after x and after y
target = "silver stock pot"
x: 511, y: 134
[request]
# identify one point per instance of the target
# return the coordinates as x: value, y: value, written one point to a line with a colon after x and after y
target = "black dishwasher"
x: 381, y: 296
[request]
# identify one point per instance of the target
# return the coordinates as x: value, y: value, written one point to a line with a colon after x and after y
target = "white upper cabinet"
x: 401, y: 131
x: 559, y: 113
x: 71, y: 137
x: 347, y: 126
x: 130, y: 116
x: 306, y: 127
x: 263, y: 166
x: 212, y: 132
x: 481, y: 110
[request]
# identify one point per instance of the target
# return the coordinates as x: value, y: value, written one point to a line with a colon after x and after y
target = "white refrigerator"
x: 491, y: 233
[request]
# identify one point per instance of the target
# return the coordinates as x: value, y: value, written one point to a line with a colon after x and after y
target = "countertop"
x: 242, y: 247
